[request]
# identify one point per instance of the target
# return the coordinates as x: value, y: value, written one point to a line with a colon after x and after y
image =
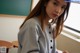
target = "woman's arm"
x: 30, y: 40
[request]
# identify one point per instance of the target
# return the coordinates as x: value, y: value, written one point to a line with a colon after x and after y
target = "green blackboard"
x: 15, y: 7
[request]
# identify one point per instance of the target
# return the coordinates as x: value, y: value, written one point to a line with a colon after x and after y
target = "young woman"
x: 38, y: 32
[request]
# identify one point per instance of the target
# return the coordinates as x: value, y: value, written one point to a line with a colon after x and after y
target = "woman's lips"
x: 54, y: 15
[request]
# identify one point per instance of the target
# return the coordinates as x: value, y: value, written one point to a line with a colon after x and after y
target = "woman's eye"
x: 55, y: 3
x: 63, y: 7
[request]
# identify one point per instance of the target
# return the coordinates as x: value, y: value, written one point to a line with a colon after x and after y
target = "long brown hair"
x: 39, y: 10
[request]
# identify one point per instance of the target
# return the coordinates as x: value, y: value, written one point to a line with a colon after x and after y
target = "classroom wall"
x: 9, y: 26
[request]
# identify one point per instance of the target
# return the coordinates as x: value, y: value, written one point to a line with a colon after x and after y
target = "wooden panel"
x: 5, y: 43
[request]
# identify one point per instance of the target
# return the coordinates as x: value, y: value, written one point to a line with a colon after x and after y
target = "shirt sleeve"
x: 30, y: 40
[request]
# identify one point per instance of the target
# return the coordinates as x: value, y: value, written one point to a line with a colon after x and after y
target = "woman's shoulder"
x: 32, y: 22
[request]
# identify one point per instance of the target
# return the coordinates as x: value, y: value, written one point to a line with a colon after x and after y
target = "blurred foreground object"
x: 74, y: 1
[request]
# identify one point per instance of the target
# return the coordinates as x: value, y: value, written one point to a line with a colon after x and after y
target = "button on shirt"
x: 51, y: 41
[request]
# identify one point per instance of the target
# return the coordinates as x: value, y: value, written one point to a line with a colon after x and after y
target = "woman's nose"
x: 58, y: 10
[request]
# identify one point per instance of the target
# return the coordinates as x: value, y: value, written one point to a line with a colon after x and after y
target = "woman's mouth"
x: 54, y: 15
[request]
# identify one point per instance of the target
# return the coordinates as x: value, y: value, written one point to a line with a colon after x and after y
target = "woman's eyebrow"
x: 57, y: 1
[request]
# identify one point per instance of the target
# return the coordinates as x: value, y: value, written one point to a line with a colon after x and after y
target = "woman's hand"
x: 65, y: 52
x: 59, y: 51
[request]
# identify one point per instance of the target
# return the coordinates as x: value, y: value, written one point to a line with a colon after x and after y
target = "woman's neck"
x: 46, y: 21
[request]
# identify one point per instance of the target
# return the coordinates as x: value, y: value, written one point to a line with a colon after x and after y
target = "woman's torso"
x: 45, y: 41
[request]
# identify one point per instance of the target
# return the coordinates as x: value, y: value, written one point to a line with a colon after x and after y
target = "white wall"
x: 9, y: 27
x: 34, y: 3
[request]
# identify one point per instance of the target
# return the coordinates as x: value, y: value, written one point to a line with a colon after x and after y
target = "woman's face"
x: 54, y: 8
